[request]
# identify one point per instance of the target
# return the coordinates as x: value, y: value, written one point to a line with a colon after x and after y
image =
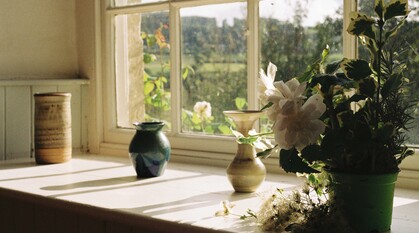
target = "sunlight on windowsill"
x: 185, y: 194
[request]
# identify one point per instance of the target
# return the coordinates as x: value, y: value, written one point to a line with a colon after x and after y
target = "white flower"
x: 296, y: 123
x: 265, y: 82
x: 226, y: 207
x: 301, y: 127
x: 202, y: 109
x: 286, y: 98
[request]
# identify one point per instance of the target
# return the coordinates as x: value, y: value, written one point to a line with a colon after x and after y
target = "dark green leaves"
x: 391, y: 85
x: 312, y: 153
x: 356, y: 69
x: 385, y: 132
x: 290, y: 161
x: 326, y: 81
x: 361, y: 25
x: 379, y: 8
x: 333, y: 67
x: 396, y: 8
x: 367, y: 87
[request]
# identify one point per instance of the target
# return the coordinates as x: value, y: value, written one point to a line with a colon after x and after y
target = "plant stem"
x: 380, y: 48
x: 333, y: 118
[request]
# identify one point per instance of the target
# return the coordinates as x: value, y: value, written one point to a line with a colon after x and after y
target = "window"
x: 184, y: 62
x: 213, y: 50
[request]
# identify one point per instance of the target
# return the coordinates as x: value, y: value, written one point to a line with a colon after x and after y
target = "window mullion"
x: 252, y: 52
x: 349, y: 42
x: 175, y: 69
x: 132, y: 9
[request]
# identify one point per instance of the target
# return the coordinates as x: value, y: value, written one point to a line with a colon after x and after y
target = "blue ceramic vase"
x: 149, y: 149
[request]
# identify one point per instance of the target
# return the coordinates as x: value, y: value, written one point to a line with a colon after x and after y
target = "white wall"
x: 43, y: 42
x: 38, y: 39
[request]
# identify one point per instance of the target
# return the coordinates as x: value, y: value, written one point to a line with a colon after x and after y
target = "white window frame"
x: 113, y: 140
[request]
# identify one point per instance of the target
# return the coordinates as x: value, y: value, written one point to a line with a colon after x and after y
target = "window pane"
x: 134, y: 2
x: 408, y: 42
x: 142, y: 68
x: 213, y: 65
x: 294, y: 33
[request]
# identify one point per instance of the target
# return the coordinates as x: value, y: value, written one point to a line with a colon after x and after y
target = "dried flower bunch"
x: 307, y: 210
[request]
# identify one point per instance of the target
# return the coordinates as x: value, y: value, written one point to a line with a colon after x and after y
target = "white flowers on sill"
x: 296, y: 122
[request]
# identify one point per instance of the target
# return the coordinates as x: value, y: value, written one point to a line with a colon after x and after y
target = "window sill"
x: 184, y: 199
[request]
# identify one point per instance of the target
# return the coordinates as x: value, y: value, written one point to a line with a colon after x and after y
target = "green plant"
x: 355, y: 116
x: 157, y: 99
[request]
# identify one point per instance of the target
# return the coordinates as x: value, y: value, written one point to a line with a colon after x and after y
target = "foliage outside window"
x: 214, y: 56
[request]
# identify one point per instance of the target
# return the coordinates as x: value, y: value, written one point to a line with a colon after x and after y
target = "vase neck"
x: 149, y: 126
x: 244, y: 120
x: 245, y: 152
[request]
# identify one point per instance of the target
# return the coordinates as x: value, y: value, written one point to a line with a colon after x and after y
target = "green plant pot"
x: 365, y: 200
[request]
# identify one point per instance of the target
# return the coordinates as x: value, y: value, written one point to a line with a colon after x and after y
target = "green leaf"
x: 247, y: 140
x: 209, y: 129
x: 326, y: 81
x: 345, y: 105
x: 367, y: 87
x: 361, y: 25
x: 385, y: 132
x: 148, y: 88
x: 379, y: 8
x: 291, y: 162
x: 267, y: 106
x: 391, y: 85
x: 396, y: 8
x: 148, y: 58
x: 312, y: 153
x: 224, y: 129
x: 240, y: 103
x: 185, y: 73
x: 331, y: 68
x: 266, y: 153
x: 362, y: 132
x: 196, y: 120
x: 394, y: 31
x: 143, y: 35
x: 325, y: 53
x: 150, y: 40
x: 356, y: 69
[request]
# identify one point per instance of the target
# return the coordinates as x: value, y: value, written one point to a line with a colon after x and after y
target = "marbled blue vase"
x: 149, y: 149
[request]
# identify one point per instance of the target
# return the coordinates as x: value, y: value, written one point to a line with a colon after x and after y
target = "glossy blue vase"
x: 149, y: 149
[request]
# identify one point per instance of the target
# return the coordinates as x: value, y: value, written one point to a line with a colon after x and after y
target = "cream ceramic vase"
x: 246, y: 172
x: 52, y: 136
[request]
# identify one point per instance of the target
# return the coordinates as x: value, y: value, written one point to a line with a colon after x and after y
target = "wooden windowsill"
x: 184, y: 199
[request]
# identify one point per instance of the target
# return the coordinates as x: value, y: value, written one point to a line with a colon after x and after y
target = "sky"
x: 317, y: 10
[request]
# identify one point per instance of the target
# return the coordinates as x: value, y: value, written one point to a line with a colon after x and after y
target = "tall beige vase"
x: 52, y: 127
x: 246, y: 172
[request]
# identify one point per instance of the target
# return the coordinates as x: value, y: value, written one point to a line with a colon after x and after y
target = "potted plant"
x: 349, y: 119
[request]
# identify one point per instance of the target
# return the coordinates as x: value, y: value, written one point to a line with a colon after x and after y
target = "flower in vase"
x: 299, y: 125
x: 266, y: 82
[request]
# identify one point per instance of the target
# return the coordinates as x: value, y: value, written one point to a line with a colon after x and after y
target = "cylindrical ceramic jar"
x: 149, y: 149
x: 52, y: 134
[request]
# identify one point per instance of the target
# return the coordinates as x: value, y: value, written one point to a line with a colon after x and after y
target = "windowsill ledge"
x: 184, y: 199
